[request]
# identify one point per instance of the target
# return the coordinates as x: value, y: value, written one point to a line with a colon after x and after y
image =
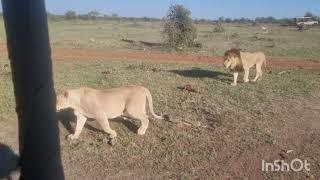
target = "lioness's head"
x: 232, y: 59
x: 62, y: 101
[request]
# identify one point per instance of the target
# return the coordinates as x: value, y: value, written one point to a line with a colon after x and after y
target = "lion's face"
x: 62, y: 101
x: 232, y: 59
x: 227, y: 62
x: 230, y: 62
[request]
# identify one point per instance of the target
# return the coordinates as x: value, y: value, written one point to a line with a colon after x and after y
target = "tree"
x: 308, y: 14
x: 286, y: 21
x: 70, y: 15
x: 54, y: 17
x: 83, y: 16
x: 179, y: 30
x: 93, y: 15
x: 269, y: 19
x: 221, y: 19
x: 228, y: 20
x: 114, y: 15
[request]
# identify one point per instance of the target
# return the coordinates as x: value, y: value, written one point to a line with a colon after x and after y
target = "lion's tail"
x: 150, y: 103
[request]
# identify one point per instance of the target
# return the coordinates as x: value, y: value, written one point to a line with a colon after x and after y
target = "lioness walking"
x: 129, y: 101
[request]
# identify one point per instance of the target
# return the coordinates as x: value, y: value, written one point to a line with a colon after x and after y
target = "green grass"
x: 198, y: 122
x: 279, y: 42
x: 206, y: 129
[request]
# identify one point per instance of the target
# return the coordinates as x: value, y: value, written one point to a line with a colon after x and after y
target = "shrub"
x: 219, y: 28
x: 235, y: 35
x: 179, y: 30
x: 70, y: 15
x: 197, y: 45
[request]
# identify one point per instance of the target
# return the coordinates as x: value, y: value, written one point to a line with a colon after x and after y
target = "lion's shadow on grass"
x: 67, y: 116
x: 200, y: 73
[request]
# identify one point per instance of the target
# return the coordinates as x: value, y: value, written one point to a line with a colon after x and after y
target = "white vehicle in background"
x: 306, y: 21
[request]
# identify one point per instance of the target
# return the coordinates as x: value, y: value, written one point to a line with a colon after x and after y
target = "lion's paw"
x: 141, y: 131
x: 71, y: 137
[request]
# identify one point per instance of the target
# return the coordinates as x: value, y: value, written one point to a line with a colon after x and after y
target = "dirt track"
x: 293, y: 125
x: 105, y: 54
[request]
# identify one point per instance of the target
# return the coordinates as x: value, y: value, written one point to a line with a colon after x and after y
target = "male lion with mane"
x: 101, y: 105
x: 238, y: 61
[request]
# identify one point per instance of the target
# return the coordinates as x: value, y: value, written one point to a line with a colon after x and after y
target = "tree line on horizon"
x: 95, y: 15
x: 179, y: 30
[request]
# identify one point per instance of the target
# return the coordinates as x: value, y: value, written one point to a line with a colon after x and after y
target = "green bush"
x: 179, y: 30
x: 70, y: 15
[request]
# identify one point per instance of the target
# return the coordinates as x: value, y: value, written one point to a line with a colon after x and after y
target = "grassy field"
x: 279, y: 42
x: 221, y: 132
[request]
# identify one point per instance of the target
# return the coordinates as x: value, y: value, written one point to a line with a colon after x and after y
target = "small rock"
x: 197, y: 124
x: 289, y: 151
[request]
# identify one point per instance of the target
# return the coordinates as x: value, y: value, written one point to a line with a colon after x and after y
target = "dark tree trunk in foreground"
x: 29, y: 53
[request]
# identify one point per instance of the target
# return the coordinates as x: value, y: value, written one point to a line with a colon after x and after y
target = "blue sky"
x: 210, y: 9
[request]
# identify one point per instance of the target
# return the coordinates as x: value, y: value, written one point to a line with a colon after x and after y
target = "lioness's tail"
x: 149, y: 98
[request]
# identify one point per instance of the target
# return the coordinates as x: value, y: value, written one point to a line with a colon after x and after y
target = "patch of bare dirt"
x: 107, y: 54
x: 298, y: 136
